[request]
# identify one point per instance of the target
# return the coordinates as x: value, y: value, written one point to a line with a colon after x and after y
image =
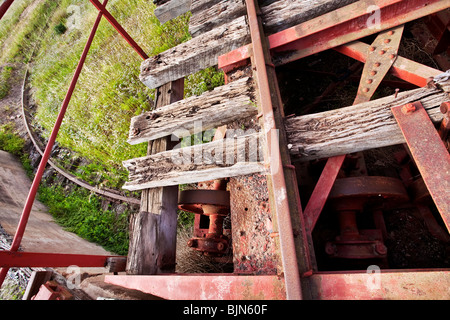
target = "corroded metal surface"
x: 254, y: 244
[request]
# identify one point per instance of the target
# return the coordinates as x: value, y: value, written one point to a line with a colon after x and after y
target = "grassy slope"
x: 107, y: 95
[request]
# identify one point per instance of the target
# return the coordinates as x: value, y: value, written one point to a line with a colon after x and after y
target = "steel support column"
x: 429, y: 153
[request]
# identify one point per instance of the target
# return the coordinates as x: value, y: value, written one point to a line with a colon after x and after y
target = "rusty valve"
x: 349, y: 197
x: 215, y: 204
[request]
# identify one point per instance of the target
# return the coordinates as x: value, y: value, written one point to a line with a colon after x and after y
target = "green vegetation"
x: 52, y: 35
x: 10, y: 141
x: 80, y: 212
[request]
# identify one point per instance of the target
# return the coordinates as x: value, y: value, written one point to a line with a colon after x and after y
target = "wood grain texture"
x: 207, y: 15
x: 153, y: 230
x: 214, y: 160
x: 195, y: 55
x: 212, y: 109
x: 284, y: 14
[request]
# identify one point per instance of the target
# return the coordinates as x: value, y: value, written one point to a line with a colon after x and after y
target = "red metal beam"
x: 268, y: 97
x: 119, y: 28
x: 429, y: 153
x: 403, y: 68
x: 321, y: 191
x: 4, y: 7
x: 431, y: 284
x: 205, y: 286
x: 9, y: 259
x: 349, y: 24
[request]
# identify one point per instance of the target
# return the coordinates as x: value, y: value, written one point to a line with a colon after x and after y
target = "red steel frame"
x: 21, y: 259
x: 335, y: 30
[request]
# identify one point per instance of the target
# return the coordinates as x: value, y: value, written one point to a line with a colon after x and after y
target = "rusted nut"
x: 445, y: 107
x: 408, y: 108
x: 220, y: 246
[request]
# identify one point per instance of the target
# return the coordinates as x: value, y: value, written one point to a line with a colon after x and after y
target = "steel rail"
x: 40, y: 171
x: 273, y: 157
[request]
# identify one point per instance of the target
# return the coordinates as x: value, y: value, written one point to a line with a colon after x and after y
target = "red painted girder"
x: 382, y: 285
x: 10, y: 259
x: 4, y: 7
x: 205, y: 286
x: 342, y: 26
x: 429, y: 153
x: 321, y: 191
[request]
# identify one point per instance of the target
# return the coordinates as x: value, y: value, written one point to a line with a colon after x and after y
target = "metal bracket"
x: 380, y: 58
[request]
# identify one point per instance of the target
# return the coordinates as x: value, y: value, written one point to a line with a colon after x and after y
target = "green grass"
x: 5, y: 75
x: 80, y: 212
x: 10, y: 141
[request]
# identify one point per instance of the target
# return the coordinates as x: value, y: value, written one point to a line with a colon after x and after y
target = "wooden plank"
x: 212, y: 109
x: 152, y: 248
x: 214, y: 160
x: 194, y: 55
x: 357, y: 128
x: 207, y: 15
x: 172, y: 9
x: 284, y: 14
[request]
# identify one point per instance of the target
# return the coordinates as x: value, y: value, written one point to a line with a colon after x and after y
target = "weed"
x: 10, y: 141
x: 5, y: 75
x: 60, y: 28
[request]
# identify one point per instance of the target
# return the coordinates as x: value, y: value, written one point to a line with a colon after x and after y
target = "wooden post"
x: 153, y: 229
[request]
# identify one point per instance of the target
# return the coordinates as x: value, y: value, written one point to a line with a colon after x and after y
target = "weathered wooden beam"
x: 194, y: 55
x: 204, y: 162
x: 214, y: 14
x: 152, y: 246
x: 172, y: 9
x: 212, y: 109
x: 357, y: 128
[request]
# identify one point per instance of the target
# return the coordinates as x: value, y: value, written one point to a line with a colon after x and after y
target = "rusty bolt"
x: 220, y: 246
x: 445, y: 107
x: 365, y: 89
x: 390, y: 33
x: 381, y: 52
x: 408, y: 108
x: 377, y: 64
x: 372, y: 48
x: 373, y: 72
x: 387, y: 40
x: 392, y: 56
x: 369, y: 81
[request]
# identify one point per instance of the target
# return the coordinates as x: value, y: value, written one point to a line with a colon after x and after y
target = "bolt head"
x: 390, y: 32
x: 377, y: 64
x: 372, y: 48
x: 381, y: 52
x: 445, y: 107
x: 387, y: 40
x: 220, y: 246
x: 369, y: 81
x: 365, y: 89
x: 373, y: 72
x: 408, y: 108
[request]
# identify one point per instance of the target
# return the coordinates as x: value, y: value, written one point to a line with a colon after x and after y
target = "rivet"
x: 390, y: 33
x: 387, y: 40
x: 372, y: 49
x: 365, y: 90
x: 369, y: 81
x: 377, y: 64
x: 408, y: 108
x: 373, y: 72
x: 381, y: 52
